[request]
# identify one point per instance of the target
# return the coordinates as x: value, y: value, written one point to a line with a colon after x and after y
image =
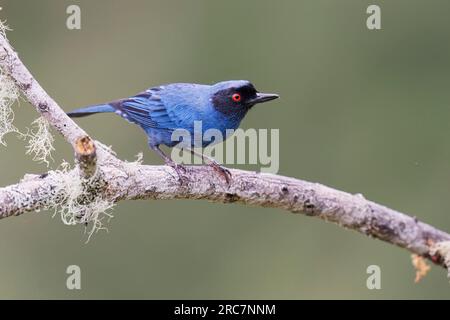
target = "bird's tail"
x: 86, y: 111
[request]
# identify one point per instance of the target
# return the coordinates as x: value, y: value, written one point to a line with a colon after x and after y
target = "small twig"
x: 86, y: 156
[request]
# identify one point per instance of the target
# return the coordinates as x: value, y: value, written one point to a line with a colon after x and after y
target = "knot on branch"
x: 86, y: 156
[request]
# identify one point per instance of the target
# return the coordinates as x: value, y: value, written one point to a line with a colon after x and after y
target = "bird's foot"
x: 224, y: 172
x: 179, y: 169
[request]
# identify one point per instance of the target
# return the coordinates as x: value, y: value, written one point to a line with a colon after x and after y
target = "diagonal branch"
x: 121, y: 180
x: 36, y: 95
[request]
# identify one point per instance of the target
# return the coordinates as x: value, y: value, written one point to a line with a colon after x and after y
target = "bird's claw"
x: 180, y: 170
x: 224, y: 172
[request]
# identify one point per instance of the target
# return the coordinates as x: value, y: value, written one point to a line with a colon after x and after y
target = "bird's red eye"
x: 236, y: 97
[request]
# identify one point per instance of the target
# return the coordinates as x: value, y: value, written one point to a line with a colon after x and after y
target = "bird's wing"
x: 145, y: 109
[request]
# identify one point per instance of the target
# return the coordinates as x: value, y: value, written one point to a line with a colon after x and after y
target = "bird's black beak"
x: 263, y: 97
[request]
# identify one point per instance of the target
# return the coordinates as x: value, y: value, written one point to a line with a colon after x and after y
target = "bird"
x: 162, y: 109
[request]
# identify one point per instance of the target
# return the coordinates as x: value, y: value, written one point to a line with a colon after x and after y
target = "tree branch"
x: 122, y: 180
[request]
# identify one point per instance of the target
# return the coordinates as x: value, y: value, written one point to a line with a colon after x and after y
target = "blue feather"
x: 81, y: 112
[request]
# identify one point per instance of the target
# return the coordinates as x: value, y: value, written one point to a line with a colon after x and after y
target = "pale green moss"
x: 40, y: 141
x: 9, y: 94
x: 81, y: 203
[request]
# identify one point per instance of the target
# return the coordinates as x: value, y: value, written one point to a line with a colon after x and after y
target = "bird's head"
x: 237, y: 96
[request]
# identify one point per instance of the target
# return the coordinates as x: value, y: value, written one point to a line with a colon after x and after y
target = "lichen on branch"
x: 9, y: 94
x: 82, y: 201
x: 40, y: 140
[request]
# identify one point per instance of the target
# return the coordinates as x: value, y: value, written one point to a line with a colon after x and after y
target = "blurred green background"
x: 362, y: 111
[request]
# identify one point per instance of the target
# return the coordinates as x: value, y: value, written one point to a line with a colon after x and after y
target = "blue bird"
x: 159, y: 111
